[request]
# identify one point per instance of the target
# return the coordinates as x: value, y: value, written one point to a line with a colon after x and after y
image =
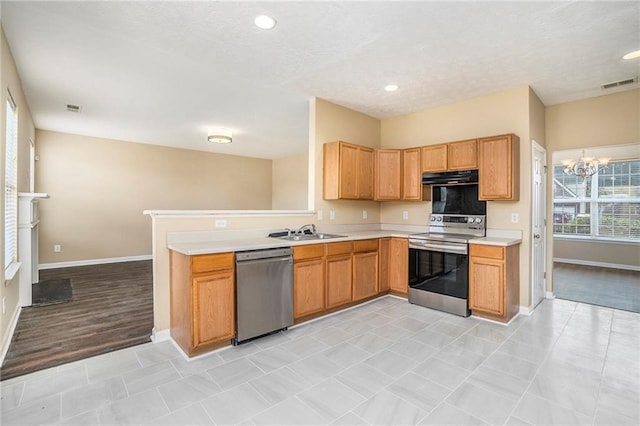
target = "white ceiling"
x: 163, y: 72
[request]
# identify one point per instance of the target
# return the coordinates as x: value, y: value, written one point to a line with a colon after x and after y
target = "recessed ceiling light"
x: 265, y: 22
x: 391, y: 87
x: 632, y: 55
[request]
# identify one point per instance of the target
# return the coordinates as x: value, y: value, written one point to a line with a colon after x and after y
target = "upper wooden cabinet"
x: 461, y: 155
x: 347, y: 171
x: 411, y: 175
x: 499, y: 170
x: 388, y: 176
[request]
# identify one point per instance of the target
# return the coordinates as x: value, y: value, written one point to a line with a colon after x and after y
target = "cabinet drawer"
x: 490, y: 252
x: 311, y: 251
x: 365, y: 245
x: 211, y: 262
x: 334, y: 249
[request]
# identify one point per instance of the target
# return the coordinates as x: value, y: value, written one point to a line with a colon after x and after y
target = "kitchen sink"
x: 307, y: 237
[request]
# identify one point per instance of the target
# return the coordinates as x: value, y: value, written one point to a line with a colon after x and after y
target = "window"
x: 606, y: 205
x: 11, y: 188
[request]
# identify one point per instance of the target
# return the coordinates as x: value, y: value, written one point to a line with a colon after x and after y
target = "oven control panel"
x: 462, y: 219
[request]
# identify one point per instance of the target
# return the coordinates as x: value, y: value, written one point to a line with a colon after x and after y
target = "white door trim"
x: 543, y: 196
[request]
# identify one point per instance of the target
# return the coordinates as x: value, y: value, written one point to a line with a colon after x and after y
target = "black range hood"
x: 450, y: 178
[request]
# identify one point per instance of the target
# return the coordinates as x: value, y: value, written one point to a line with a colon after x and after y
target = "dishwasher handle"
x: 252, y: 255
x: 288, y: 259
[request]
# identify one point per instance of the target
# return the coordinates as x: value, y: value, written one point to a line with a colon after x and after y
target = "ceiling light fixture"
x: 220, y: 135
x: 391, y: 87
x: 585, y: 167
x: 264, y: 22
x: 632, y: 55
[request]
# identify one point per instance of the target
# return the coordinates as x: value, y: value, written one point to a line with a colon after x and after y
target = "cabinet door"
x: 383, y: 265
x: 411, y: 175
x: 486, y: 285
x: 498, y: 168
x: 365, y: 275
x: 214, y: 308
x: 338, y: 280
x: 365, y: 174
x: 308, y: 287
x: 398, y: 264
x: 462, y: 155
x: 348, y: 173
x: 434, y: 158
x: 388, y: 179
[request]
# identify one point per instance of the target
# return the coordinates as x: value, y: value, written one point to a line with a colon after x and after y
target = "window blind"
x: 11, y: 186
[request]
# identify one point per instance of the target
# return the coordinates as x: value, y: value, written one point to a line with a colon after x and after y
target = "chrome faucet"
x: 303, y: 228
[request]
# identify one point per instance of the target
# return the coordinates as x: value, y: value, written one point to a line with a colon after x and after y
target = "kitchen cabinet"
x: 398, y: 265
x: 388, y: 174
x: 411, y: 175
x: 202, y: 301
x: 383, y: 265
x: 365, y: 269
x: 494, y: 288
x: 338, y: 274
x: 347, y: 171
x: 308, y: 280
x: 499, y: 168
x: 461, y: 155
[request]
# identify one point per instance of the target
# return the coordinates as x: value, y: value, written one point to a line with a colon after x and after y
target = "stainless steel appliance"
x: 439, y: 262
x: 264, y: 292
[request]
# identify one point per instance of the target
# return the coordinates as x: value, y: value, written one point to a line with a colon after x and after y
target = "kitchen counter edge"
x: 495, y: 241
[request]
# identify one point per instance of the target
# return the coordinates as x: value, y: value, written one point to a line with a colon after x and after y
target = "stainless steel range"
x: 439, y: 262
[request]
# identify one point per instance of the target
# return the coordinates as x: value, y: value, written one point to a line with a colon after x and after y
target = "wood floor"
x: 112, y: 308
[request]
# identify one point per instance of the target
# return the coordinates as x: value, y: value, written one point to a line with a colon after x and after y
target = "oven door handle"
x: 439, y: 247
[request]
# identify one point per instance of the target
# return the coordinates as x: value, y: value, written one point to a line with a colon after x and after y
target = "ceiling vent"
x: 73, y: 108
x: 620, y: 83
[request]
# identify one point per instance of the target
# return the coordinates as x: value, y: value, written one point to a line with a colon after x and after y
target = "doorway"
x: 538, y: 215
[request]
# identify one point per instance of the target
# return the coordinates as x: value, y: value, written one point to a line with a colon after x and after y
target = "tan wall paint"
x: 498, y: 113
x: 603, y: 121
x: 290, y: 183
x: 10, y: 80
x: 100, y: 187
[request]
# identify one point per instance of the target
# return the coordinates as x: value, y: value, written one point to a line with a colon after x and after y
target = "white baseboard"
x: 72, y: 263
x: 598, y: 264
x: 549, y: 295
x: 525, y: 310
x: 160, y: 336
x: 6, y: 341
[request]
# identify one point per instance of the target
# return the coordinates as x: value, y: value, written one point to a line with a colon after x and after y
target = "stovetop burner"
x: 454, y: 228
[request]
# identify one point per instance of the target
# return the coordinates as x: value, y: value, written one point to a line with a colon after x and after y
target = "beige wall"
x: 100, y: 187
x: 596, y: 122
x: 498, y: 113
x: 290, y: 183
x: 9, y: 80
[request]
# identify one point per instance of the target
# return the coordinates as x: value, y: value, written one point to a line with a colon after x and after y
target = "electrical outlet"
x: 364, y: 214
x: 515, y: 217
x: 320, y: 214
x: 405, y: 214
x: 221, y: 223
x: 57, y: 248
x: 332, y: 214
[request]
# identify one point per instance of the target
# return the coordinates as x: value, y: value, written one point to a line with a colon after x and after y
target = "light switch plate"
x: 332, y: 214
x: 365, y: 214
x: 515, y: 217
x: 320, y: 215
x: 405, y: 214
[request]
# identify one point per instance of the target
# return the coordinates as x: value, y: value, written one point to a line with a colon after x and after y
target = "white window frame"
x: 11, y: 264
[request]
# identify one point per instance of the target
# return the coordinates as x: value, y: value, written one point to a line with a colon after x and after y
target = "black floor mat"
x: 51, y: 291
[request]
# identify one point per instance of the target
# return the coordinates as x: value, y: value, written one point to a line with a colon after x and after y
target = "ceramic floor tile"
x: 273, y: 358
x: 92, y: 396
x: 112, y: 364
x: 371, y: 342
x: 427, y: 316
x: 184, y: 392
x: 539, y: 411
x: 315, y: 369
x: 391, y: 363
x: 233, y: 353
x: 289, y: 412
x: 41, y: 412
x: 234, y: 373
x: 364, y: 379
x: 417, y: 390
x: 350, y: 419
x: 157, y: 353
x: 490, y: 333
x: 487, y: 406
x: 272, y: 340
x: 414, y: 349
x: 411, y: 324
x: 198, y: 365
x: 620, y: 396
x: 447, y: 414
x: 235, y: 405
x: 448, y: 329
x: 460, y: 357
x: 141, y: 408
x: 346, y: 355
x: 441, y: 372
x: 10, y: 395
x: 331, y: 399
x: 279, y: 385
x: 332, y: 336
x: 149, y: 377
x: 517, y: 367
x: 192, y: 415
x: 304, y: 346
x: 581, y: 398
x: 89, y: 418
x: 391, y: 332
x: 386, y: 408
x: 514, y: 421
x: 523, y: 351
x: 55, y: 383
x: 498, y: 382
x: 432, y: 338
x: 475, y: 344
x: 611, y: 417
x: 375, y: 320
x: 563, y: 372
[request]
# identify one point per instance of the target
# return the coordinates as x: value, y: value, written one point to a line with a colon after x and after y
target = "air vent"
x: 620, y: 83
x: 73, y: 108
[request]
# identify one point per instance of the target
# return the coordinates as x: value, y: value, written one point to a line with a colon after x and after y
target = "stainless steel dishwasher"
x: 264, y: 292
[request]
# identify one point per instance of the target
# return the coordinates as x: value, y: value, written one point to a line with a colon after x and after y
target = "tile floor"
x: 386, y: 362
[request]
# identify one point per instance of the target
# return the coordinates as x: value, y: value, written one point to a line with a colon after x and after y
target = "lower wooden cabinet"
x: 383, y: 264
x: 365, y: 269
x: 399, y: 265
x: 202, y: 301
x: 338, y: 280
x: 308, y: 287
x: 494, y: 287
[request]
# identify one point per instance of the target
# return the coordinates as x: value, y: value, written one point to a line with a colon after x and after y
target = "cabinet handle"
x: 536, y: 236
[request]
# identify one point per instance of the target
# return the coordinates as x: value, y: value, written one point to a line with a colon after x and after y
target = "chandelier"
x: 585, y: 167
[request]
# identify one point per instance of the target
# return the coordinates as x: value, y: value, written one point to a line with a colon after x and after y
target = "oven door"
x: 439, y: 267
